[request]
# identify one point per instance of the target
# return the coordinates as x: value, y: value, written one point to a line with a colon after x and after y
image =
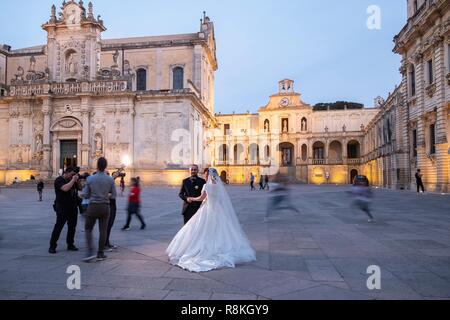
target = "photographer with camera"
x: 66, y: 208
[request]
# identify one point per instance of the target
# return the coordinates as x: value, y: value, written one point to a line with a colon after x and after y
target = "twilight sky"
x: 324, y: 45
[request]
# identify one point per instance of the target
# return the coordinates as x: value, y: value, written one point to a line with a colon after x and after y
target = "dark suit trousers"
x: 97, y: 212
x: 112, y: 219
x: 65, y: 215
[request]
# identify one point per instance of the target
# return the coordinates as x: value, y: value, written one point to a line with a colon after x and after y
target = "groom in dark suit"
x: 191, y: 188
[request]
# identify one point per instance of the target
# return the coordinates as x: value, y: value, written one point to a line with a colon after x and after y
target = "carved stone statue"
x: 115, y: 58
x: 32, y: 64
x: 285, y: 126
x: 19, y: 156
x: 38, y: 144
x: 304, y: 125
x: 98, y: 143
x: 71, y: 65
x: 20, y: 73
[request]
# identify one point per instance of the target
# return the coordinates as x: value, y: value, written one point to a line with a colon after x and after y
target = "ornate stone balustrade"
x: 354, y: 161
x: 68, y: 88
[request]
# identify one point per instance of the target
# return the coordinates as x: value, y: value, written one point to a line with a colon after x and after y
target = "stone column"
x: 441, y: 119
x: 345, y: 152
x: 86, y: 119
x: 47, y: 110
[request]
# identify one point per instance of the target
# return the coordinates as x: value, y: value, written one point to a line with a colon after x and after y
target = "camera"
x: 83, y: 176
x: 119, y: 173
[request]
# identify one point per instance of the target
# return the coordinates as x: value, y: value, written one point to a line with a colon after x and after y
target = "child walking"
x: 134, y: 205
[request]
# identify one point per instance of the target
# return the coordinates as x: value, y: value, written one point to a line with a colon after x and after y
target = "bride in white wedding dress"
x: 213, y: 238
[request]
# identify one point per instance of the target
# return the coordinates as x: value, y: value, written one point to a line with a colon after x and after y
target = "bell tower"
x: 73, y: 42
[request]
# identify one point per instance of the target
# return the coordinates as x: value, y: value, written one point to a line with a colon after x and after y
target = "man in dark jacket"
x: 192, y: 188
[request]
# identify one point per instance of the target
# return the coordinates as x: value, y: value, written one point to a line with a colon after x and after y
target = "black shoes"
x: 101, y: 256
x: 143, y: 227
x: 72, y: 248
x: 52, y: 251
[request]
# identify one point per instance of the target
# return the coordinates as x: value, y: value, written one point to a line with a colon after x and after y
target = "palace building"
x: 292, y: 141
x: 412, y: 130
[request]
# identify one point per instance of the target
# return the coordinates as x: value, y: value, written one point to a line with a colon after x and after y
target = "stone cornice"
x: 420, y: 23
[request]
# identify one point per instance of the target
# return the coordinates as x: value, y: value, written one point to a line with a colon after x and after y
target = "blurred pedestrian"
x: 40, y: 189
x: 122, y: 186
x: 266, y: 183
x: 280, y: 200
x: 261, y: 183
x: 252, y: 182
x: 363, y: 197
x: 134, y: 205
x: 419, y: 181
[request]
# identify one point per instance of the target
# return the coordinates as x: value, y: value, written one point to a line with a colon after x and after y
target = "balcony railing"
x: 354, y: 161
x: 68, y: 88
x: 335, y: 161
x: 318, y: 161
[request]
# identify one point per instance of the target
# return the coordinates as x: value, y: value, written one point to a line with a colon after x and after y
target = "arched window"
x: 304, y: 152
x: 141, y: 80
x: 238, y: 151
x: 178, y: 78
x: 353, y: 149
x: 267, y: 152
x: 223, y: 153
x: 319, y: 151
x: 254, y: 153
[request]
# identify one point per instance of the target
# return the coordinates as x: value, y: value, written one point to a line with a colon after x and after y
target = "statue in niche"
x: 304, y: 125
x: 20, y: 73
x: 19, y: 156
x: 32, y: 64
x: 38, y: 144
x: 285, y: 126
x: 71, y: 65
x: 115, y: 58
x: 98, y: 143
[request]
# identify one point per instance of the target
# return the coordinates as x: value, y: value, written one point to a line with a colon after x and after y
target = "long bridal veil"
x: 213, y: 238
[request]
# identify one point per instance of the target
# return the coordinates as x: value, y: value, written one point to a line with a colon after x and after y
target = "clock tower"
x: 73, y: 42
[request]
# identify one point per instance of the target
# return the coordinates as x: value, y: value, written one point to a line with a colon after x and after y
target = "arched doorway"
x: 287, y: 155
x: 353, y: 175
x: 224, y: 177
x: 66, y: 144
x: 354, y: 149
x: 319, y: 152
x: 335, y: 152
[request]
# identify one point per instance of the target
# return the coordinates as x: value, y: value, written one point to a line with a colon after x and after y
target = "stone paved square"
x: 321, y: 253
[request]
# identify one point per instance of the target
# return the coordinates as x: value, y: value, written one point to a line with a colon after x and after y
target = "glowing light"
x: 126, y: 161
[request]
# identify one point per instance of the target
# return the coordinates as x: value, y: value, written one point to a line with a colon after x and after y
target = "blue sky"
x: 324, y: 45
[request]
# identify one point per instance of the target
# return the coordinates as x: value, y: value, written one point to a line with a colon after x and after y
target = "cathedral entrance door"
x: 69, y: 152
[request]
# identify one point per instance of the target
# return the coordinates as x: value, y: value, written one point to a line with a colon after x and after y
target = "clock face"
x: 284, y: 102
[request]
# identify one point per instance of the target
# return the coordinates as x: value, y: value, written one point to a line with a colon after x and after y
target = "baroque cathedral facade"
x: 79, y: 97
x: 147, y: 104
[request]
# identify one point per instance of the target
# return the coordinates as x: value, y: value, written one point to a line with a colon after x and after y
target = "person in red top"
x: 134, y: 204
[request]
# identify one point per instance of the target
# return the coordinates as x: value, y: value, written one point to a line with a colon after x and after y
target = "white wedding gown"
x: 213, y: 238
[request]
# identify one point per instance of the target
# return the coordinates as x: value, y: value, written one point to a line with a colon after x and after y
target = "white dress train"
x: 213, y: 238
